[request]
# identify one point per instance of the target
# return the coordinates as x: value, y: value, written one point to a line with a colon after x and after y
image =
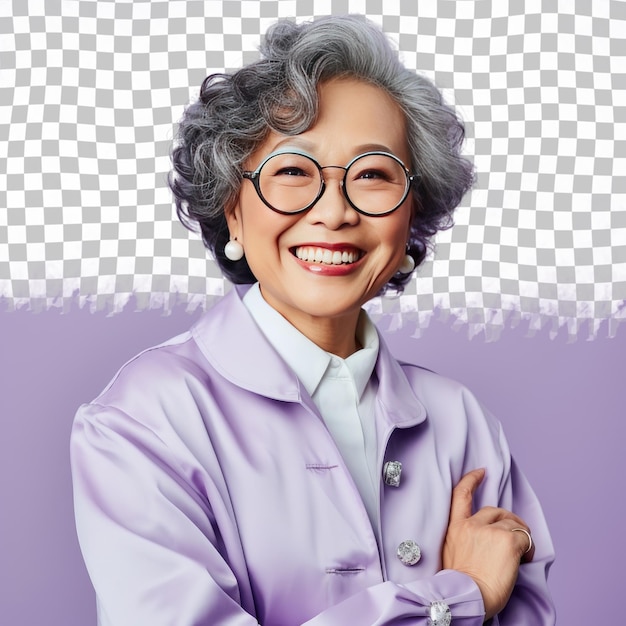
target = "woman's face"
x: 354, y: 117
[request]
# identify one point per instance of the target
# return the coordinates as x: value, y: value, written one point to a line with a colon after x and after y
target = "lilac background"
x: 561, y: 404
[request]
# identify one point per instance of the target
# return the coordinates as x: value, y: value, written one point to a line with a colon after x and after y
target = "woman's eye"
x: 372, y: 175
x: 290, y: 171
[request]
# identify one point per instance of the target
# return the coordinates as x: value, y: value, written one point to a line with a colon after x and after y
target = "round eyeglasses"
x: 374, y: 183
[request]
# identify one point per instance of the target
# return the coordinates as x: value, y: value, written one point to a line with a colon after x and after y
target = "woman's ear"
x: 234, y: 221
x: 233, y: 250
x: 415, y: 209
x: 412, y: 214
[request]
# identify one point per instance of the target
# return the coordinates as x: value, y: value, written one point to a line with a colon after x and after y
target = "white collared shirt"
x: 343, y: 390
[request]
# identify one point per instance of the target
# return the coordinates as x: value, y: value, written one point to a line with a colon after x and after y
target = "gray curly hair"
x: 235, y: 112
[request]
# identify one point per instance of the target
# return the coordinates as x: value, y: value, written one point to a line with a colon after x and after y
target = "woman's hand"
x: 483, y: 545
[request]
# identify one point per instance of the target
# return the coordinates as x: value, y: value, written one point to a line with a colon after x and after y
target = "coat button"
x: 439, y: 614
x: 409, y: 552
x: 391, y: 473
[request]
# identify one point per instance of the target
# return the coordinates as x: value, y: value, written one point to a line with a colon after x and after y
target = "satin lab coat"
x: 209, y: 491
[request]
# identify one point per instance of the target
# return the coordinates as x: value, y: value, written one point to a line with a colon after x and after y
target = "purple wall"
x: 560, y: 403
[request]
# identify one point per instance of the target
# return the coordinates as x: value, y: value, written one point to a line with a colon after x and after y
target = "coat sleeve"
x: 150, y: 541
x: 390, y: 604
x: 531, y: 601
x: 157, y: 555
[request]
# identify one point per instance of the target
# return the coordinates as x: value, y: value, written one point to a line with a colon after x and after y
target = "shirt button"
x: 439, y: 614
x: 335, y: 363
x: 391, y: 473
x: 409, y: 552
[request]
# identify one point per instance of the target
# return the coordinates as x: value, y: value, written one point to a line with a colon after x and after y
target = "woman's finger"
x: 491, y: 515
x: 521, y: 536
x: 528, y: 551
x: 463, y: 494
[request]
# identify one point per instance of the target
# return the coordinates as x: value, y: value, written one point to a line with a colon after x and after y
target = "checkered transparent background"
x: 90, y: 93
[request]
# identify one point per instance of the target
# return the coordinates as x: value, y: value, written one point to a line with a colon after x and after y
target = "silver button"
x: 409, y: 552
x: 391, y: 473
x: 439, y: 614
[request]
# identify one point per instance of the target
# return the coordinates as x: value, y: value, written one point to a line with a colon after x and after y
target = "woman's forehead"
x: 353, y: 117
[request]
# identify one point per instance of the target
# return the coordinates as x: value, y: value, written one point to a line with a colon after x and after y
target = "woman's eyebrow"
x: 297, y: 142
x: 309, y: 146
x: 373, y: 147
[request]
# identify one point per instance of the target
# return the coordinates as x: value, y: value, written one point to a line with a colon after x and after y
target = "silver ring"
x: 530, y: 539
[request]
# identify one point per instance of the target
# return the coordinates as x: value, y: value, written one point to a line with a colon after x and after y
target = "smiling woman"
x: 276, y: 464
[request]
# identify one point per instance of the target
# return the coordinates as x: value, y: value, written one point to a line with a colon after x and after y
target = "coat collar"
x: 401, y: 407
x: 230, y: 340
x: 232, y: 343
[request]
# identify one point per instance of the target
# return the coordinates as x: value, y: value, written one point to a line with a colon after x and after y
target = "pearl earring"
x: 233, y: 250
x: 407, y: 265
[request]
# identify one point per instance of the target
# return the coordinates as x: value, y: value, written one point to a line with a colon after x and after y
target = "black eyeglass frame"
x: 254, y: 177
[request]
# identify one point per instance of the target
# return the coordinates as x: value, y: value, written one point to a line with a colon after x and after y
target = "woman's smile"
x: 328, y: 260
x: 338, y: 254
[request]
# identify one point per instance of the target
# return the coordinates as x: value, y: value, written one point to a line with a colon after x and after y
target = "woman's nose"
x: 333, y: 209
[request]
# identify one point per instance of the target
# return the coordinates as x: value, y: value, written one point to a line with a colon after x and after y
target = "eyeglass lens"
x: 374, y: 183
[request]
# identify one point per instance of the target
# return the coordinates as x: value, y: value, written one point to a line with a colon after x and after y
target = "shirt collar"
x: 363, y: 361
x: 308, y: 361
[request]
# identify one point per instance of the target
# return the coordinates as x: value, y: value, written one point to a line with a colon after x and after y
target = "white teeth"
x: 323, y: 255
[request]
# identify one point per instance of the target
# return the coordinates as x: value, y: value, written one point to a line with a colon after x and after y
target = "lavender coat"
x: 208, y: 491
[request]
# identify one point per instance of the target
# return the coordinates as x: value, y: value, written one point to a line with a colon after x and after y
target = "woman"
x: 276, y: 465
